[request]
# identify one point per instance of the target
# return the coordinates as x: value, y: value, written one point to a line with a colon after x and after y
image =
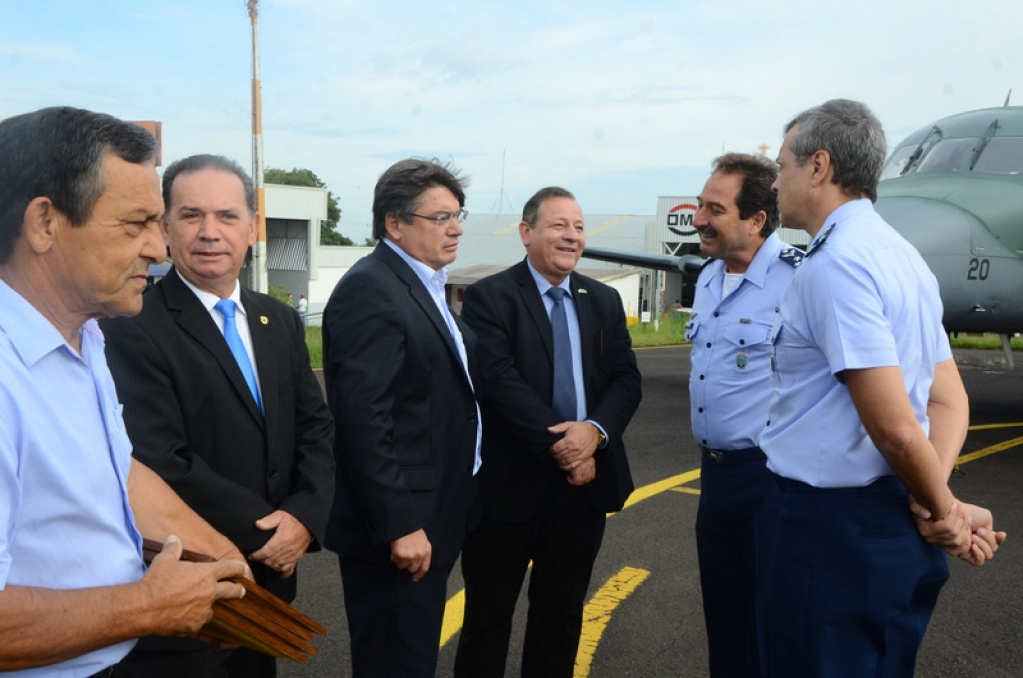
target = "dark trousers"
x: 394, y: 622
x: 853, y: 585
x: 735, y: 491
x: 151, y: 659
x: 562, y: 540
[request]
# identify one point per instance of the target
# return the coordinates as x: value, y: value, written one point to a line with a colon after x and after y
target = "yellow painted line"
x: 454, y: 610
x: 506, y: 229
x: 652, y: 489
x: 606, y: 225
x: 988, y: 451
x: 597, y: 614
x: 454, y: 613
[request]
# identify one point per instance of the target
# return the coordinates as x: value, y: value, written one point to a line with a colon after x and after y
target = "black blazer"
x: 515, y: 356
x: 192, y: 419
x: 405, y: 412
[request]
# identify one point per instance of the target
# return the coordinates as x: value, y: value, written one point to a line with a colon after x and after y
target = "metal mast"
x: 259, y: 268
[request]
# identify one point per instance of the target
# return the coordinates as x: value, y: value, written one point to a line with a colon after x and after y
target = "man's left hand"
x: 578, y: 445
x: 286, y: 546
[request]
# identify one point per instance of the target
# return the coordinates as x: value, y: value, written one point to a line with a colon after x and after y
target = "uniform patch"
x: 742, y: 360
x: 820, y: 240
x: 792, y: 256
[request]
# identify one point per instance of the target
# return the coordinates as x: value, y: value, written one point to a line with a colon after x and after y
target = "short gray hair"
x: 853, y: 138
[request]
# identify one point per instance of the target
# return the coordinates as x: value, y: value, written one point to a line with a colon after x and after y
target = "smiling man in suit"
x: 220, y: 400
x: 398, y: 369
x: 560, y: 384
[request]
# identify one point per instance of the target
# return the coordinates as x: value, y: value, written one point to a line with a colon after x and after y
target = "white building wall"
x: 334, y: 263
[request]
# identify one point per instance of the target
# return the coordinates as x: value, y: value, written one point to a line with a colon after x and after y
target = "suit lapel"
x: 535, y: 306
x: 588, y: 332
x: 195, y: 320
x: 260, y: 329
x: 420, y: 295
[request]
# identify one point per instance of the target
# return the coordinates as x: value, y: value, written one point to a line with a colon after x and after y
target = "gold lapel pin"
x: 263, y: 319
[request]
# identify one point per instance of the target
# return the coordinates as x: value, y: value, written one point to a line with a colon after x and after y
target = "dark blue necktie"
x: 563, y: 400
x: 234, y: 342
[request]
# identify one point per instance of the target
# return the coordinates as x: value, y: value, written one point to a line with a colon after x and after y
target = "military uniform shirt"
x: 730, y: 382
x: 862, y: 298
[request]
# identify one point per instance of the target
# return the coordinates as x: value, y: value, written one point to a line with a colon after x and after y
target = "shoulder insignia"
x: 792, y: 256
x: 819, y: 241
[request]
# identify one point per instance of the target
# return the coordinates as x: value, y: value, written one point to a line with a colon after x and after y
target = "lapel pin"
x: 581, y: 290
x: 263, y: 319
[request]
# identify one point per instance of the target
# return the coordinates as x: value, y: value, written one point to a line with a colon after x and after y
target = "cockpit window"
x: 897, y: 162
x: 948, y: 155
x: 1002, y: 155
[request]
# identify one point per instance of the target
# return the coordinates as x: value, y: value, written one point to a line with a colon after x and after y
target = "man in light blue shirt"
x: 868, y: 408
x: 78, y: 227
x: 736, y: 304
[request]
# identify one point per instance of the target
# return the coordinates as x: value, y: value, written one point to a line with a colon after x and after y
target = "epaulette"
x: 792, y: 256
x: 820, y: 240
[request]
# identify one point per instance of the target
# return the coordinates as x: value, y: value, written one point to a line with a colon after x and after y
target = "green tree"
x: 304, y: 177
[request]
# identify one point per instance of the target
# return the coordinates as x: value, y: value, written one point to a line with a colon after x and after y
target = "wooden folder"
x: 260, y: 620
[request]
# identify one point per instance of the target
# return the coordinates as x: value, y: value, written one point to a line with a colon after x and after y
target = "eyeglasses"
x: 444, y: 218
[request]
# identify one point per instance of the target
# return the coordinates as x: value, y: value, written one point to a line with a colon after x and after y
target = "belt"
x: 883, y: 485
x: 730, y: 457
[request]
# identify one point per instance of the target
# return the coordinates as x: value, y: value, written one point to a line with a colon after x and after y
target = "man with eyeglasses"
x: 560, y: 384
x: 400, y: 380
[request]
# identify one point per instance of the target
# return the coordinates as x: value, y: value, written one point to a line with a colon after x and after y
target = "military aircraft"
x: 954, y: 189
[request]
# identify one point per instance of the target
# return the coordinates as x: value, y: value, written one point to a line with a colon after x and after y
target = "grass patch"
x: 985, y: 341
x: 314, y: 340
x: 670, y: 332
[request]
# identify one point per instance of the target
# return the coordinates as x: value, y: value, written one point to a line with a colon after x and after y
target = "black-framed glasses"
x: 444, y: 218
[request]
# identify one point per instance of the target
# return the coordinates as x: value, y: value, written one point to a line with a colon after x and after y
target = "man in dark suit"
x: 554, y: 414
x: 242, y: 434
x: 399, y: 382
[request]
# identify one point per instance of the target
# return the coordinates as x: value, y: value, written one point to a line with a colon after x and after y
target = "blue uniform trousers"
x: 735, y: 487
x: 852, y: 584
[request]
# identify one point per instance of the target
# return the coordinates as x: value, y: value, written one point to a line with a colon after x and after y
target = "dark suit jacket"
x: 405, y: 412
x: 515, y: 356
x: 192, y: 419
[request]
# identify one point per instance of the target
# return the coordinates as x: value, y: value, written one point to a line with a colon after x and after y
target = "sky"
x: 618, y: 101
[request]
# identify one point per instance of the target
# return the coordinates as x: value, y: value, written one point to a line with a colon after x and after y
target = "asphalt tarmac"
x: 646, y: 619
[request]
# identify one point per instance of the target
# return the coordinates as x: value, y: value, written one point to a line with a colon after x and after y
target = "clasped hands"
x: 966, y: 531
x: 574, y: 452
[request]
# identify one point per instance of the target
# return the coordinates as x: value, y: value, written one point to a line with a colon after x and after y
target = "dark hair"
x: 399, y: 187
x: 531, y: 210
x: 58, y: 153
x: 853, y: 138
x: 198, y: 163
x: 758, y: 175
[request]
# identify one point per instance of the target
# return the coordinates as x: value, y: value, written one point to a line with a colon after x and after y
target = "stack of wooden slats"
x: 260, y: 620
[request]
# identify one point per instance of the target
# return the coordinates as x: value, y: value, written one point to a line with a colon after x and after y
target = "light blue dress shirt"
x: 862, y: 298
x: 730, y: 382
x: 64, y: 463
x: 434, y: 281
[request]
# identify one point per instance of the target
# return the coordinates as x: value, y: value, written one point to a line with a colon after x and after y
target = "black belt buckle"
x: 717, y: 457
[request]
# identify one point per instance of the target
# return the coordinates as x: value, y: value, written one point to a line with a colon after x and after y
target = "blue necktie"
x: 563, y: 400
x: 234, y: 342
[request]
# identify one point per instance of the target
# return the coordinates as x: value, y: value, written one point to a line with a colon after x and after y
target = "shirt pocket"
x: 749, y: 346
x: 691, y: 328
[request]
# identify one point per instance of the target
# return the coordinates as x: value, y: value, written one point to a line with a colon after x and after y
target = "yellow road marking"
x: 454, y: 610
x: 988, y: 451
x: 597, y: 614
x: 454, y: 613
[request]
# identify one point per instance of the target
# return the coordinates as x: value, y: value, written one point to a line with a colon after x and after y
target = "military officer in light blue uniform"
x: 868, y: 408
x: 737, y: 300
